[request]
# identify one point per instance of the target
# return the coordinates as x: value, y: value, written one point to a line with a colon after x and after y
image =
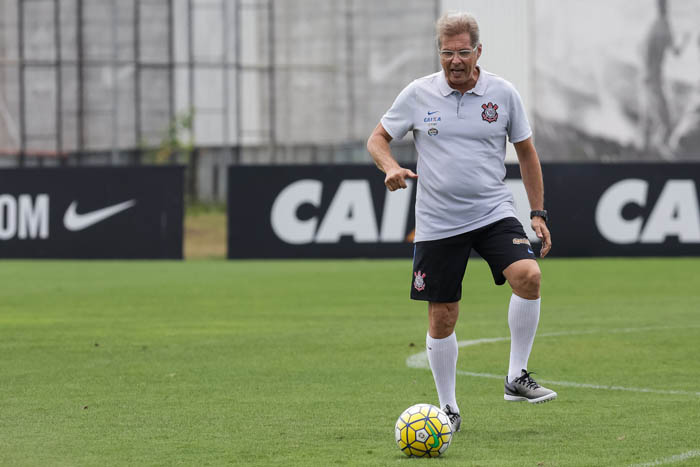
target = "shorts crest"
x: 418, y: 282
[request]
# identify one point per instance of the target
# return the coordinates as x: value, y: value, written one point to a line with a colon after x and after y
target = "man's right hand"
x: 396, y: 178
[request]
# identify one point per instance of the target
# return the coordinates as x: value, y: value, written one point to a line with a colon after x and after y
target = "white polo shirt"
x: 461, y: 144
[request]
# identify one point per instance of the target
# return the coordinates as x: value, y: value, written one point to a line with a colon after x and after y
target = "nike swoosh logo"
x: 436, y: 443
x: 75, y: 222
x: 433, y: 112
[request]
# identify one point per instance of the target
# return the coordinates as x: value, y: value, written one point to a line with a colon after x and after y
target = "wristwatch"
x: 542, y: 214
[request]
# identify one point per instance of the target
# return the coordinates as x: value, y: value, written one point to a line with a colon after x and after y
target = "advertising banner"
x: 346, y: 212
x: 91, y: 212
x: 623, y: 209
x: 317, y: 212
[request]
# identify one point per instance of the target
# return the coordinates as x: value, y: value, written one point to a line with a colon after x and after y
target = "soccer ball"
x: 423, y: 430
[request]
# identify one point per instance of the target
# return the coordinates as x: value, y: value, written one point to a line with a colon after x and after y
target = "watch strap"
x: 540, y: 213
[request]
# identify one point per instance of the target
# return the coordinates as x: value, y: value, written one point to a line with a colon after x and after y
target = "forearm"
x: 534, y: 186
x: 531, y: 173
x: 380, y: 150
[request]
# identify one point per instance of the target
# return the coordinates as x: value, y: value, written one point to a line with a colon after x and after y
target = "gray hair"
x: 453, y: 23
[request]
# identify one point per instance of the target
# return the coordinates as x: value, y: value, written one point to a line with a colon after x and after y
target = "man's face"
x: 459, y: 70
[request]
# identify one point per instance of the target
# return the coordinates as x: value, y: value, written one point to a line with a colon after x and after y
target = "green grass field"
x: 304, y: 363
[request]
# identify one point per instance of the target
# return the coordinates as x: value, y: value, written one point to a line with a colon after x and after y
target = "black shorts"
x: 439, y: 265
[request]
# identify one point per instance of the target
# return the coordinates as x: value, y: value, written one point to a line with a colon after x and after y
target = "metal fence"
x: 237, y: 81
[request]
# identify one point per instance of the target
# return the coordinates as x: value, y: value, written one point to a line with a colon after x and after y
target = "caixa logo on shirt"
x: 351, y: 213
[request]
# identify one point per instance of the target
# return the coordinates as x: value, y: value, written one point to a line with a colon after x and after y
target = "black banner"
x: 346, y: 212
x: 316, y: 212
x: 95, y: 212
x: 623, y: 209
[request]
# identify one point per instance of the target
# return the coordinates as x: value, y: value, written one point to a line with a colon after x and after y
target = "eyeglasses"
x: 463, y: 54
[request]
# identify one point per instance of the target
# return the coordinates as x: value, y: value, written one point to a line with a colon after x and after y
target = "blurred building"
x: 94, y: 81
x: 300, y: 81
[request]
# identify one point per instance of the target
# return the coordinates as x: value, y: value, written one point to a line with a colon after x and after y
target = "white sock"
x: 442, y: 355
x: 523, y: 316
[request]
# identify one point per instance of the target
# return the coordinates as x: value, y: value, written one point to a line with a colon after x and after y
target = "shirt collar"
x: 479, y: 88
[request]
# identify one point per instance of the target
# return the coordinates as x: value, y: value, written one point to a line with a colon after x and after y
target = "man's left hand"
x: 540, y: 228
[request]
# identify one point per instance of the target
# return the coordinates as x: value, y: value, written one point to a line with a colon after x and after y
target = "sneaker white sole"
x: 539, y: 400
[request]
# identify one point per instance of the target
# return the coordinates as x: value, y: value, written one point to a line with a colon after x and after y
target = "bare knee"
x: 528, y: 285
x: 524, y: 278
x: 442, y: 319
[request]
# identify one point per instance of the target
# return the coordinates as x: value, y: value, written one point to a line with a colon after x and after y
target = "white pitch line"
x: 670, y: 460
x: 420, y: 360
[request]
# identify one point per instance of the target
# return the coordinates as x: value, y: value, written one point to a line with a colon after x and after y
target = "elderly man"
x: 460, y: 118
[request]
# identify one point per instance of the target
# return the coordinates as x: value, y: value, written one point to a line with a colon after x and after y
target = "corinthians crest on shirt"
x: 489, y: 114
x: 418, y: 282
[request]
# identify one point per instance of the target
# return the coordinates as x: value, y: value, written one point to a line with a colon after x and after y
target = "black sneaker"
x: 524, y: 388
x: 455, y: 418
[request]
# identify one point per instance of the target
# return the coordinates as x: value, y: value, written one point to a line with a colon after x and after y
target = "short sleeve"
x: 518, y: 125
x: 398, y: 120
